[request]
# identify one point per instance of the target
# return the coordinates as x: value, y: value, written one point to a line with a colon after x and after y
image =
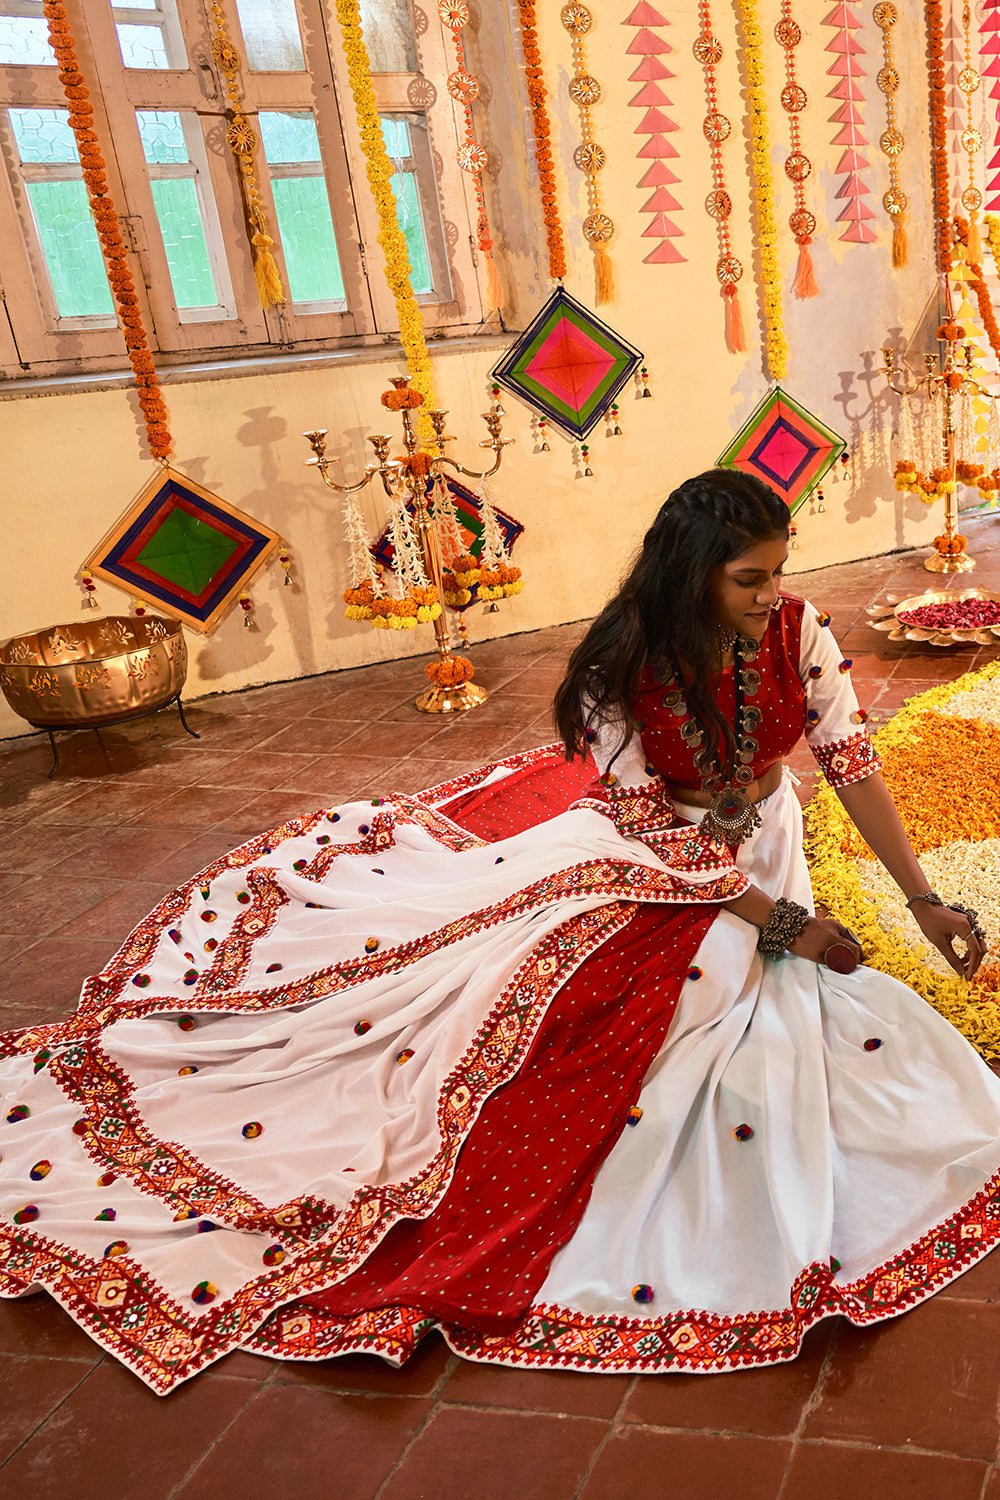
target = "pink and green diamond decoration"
x: 786, y: 446
x: 568, y: 365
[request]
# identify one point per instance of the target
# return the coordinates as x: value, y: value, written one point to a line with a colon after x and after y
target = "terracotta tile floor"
x: 908, y: 1410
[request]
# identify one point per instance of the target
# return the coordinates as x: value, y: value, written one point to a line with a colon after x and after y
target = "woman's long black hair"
x: 662, y: 614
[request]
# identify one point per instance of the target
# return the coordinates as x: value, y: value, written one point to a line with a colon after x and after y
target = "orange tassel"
x: 605, y: 277
x: 900, y: 246
x: 805, y: 283
x: 494, y: 289
x: 736, y: 338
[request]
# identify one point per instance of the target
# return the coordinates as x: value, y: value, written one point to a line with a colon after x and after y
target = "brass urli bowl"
x: 886, y: 617
x: 82, y: 676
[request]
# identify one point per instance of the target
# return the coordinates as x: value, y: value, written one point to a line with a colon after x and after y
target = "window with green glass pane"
x: 66, y: 232
x: 399, y: 149
x: 302, y: 206
x: 175, y: 197
x: 271, y: 36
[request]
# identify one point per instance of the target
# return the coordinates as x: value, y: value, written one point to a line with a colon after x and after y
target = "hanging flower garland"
x: 939, y: 144
x: 775, y: 344
x: 794, y: 99
x: 81, y: 122
x: 585, y: 91
x: 241, y: 139
x: 542, y: 129
x: 972, y: 140
x: 891, y: 141
x: 463, y: 87
x: 717, y: 128
x: 380, y: 171
x: 962, y: 235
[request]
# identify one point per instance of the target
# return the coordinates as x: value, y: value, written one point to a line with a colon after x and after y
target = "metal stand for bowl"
x: 118, y: 719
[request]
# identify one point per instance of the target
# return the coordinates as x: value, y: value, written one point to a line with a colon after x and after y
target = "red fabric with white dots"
x: 781, y: 700
x: 524, y: 1174
x: 540, y: 792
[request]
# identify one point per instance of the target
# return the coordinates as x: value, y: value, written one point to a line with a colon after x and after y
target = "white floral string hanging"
x: 498, y: 577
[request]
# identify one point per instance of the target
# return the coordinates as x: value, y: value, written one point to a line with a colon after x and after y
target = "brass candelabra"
x: 951, y: 382
x: 409, y: 474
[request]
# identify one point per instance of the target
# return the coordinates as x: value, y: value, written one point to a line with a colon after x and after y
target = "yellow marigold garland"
x: 390, y: 236
x: 836, y: 883
x: 775, y: 343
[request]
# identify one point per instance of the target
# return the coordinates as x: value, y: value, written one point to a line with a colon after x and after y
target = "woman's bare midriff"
x: 694, y: 796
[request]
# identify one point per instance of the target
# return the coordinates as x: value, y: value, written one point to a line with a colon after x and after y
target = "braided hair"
x: 662, y: 614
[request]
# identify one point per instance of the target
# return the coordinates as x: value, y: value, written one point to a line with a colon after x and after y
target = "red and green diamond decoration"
x: 786, y: 446
x: 568, y: 365
x: 183, y: 549
x: 470, y: 522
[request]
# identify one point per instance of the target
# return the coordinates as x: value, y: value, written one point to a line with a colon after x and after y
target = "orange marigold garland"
x: 472, y: 157
x: 81, y: 122
x: 537, y: 94
x: 980, y: 288
x: 450, y: 671
x: 939, y: 143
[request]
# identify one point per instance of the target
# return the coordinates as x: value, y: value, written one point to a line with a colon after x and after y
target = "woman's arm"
x: 814, y: 939
x: 873, y: 813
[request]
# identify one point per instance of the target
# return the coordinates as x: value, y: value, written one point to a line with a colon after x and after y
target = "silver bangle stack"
x: 782, y: 927
x: 933, y: 899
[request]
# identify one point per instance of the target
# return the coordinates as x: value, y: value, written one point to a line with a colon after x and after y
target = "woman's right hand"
x: 817, y: 936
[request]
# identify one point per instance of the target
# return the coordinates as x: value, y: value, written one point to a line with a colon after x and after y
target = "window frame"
x: 44, y: 345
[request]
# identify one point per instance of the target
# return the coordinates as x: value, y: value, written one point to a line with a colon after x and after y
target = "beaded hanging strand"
x: 794, y: 99
x: 81, y: 122
x: 537, y: 95
x: 972, y: 140
x: 472, y: 157
x: 241, y: 139
x: 585, y: 91
x: 891, y: 140
x: 716, y: 128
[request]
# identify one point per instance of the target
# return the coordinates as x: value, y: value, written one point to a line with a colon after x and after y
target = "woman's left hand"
x: 942, y: 926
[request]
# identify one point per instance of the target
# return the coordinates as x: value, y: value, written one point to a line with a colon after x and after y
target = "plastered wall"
x: 73, y: 461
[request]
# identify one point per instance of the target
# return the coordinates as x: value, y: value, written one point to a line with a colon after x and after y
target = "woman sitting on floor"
x: 562, y: 1066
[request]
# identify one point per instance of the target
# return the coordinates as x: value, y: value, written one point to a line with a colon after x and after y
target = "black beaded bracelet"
x: 782, y: 927
x: 933, y: 899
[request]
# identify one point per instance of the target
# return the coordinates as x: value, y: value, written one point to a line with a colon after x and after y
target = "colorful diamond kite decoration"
x: 470, y: 523
x: 181, y: 548
x: 784, y: 445
x: 568, y: 365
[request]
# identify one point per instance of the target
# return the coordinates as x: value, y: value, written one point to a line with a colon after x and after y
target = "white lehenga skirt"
x: 251, y: 1096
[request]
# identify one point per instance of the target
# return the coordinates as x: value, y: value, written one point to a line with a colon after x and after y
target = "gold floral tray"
x: 887, y: 617
x: 99, y: 672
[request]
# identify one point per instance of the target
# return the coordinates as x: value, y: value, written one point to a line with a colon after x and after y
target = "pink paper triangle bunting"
x: 842, y: 15
x: 852, y: 187
x: 657, y: 176
x: 662, y: 226
x: 859, y: 234
x: 657, y: 146
x: 855, y: 209
x: 645, y: 15
x: 650, y: 93
x: 652, y: 122
x: 660, y: 201
x: 645, y: 42
x: 845, y: 66
x: 665, y: 253
x: 850, y: 135
x: 650, y: 67
x: 847, y: 88
x: 847, y: 114
x: 852, y: 161
x: 844, y: 42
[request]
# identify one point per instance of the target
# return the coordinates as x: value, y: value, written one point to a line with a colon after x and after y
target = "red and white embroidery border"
x: 557, y: 1338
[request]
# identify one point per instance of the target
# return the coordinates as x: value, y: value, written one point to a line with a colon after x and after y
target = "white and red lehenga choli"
x: 494, y: 1060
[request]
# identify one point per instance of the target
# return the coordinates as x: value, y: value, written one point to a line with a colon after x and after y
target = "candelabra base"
x: 940, y: 562
x: 451, y: 700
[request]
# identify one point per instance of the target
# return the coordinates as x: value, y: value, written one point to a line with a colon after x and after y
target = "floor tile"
x: 38, y: 1326
x: 313, y: 1444
x: 50, y: 974
x: 947, y: 1402
x: 644, y: 1464
x: 827, y: 1471
x: 992, y: 1490
x: 257, y: 770
x: 336, y: 778
x: 36, y: 847
x: 115, y: 916
x: 43, y: 904
x: 112, y: 1436
x: 577, y: 1395
x: 768, y: 1402
x: 126, y: 851
x: 108, y: 803
x: 33, y: 1390
x: 525, y: 1456
x: 980, y: 1284
x: 198, y: 806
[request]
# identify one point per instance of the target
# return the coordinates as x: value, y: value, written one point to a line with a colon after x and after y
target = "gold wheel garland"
x: 585, y: 91
x: 798, y: 167
x: 241, y: 138
x: 472, y: 157
x: 972, y: 140
x: 716, y: 128
x: 891, y: 141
